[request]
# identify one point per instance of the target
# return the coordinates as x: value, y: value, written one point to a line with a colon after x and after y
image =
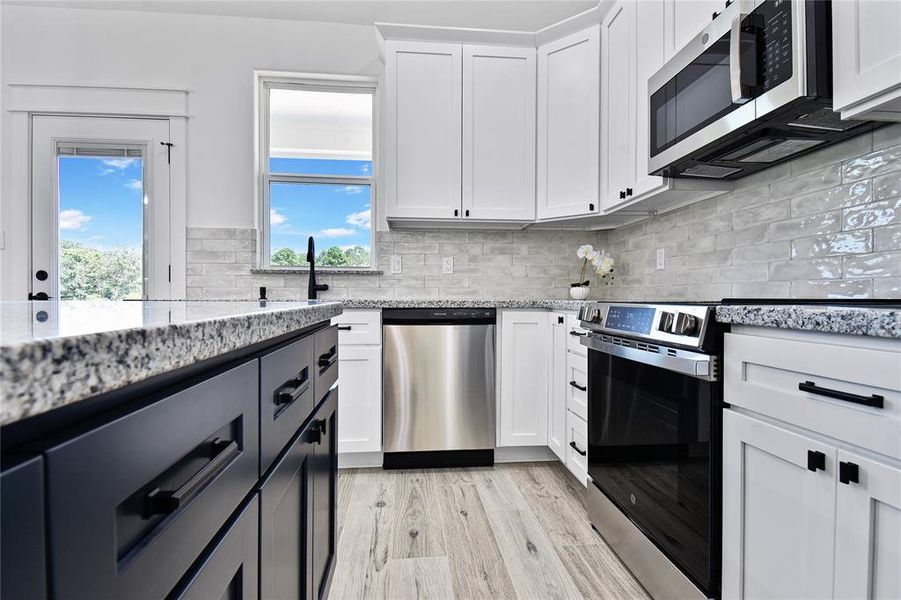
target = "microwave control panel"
x: 771, y: 22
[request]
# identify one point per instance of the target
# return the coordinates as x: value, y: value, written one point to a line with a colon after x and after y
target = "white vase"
x: 579, y: 292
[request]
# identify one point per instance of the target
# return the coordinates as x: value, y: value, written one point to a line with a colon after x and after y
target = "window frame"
x: 266, y: 81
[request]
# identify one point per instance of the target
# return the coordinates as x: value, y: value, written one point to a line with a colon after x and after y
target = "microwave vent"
x: 825, y: 119
x: 781, y: 150
x: 710, y: 171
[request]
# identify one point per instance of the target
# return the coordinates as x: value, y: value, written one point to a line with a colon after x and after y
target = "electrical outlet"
x: 447, y: 265
x: 396, y: 266
x: 661, y: 259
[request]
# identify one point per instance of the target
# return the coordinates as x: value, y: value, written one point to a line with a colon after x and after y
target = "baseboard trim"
x: 359, y: 460
x: 512, y: 454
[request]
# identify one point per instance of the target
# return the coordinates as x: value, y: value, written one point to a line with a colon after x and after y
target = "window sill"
x: 319, y: 270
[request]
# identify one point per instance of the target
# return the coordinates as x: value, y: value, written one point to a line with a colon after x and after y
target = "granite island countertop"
x: 56, y: 353
x: 849, y: 320
x: 355, y: 303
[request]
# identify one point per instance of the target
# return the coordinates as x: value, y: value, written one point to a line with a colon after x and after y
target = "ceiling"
x: 515, y: 15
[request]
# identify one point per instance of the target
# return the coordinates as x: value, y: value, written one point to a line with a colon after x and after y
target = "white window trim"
x: 263, y: 82
x: 27, y: 100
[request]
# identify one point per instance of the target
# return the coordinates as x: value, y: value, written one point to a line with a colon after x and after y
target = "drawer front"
x: 574, y: 335
x: 359, y: 327
x: 819, y: 386
x: 22, y: 569
x: 577, y: 384
x: 286, y: 396
x: 133, y: 503
x: 576, y: 445
x: 325, y: 357
x: 230, y: 569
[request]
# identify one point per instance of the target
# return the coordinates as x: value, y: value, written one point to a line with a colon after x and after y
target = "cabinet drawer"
x: 229, y: 569
x: 574, y: 335
x: 359, y: 327
x: 577, y: 446
x: 286, y: 396
x: 819, y: 386
x: 133, y: 503
x: 577, y: 384
x: 325, y: 357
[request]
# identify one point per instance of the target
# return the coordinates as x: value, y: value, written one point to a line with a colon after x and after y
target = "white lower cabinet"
x: 577, y: 446
x: 360, y: 372
x: 524, y: 373
x: 567, y: 432
x: 556, y: 413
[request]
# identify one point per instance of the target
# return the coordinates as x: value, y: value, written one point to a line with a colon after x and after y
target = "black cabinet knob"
x: 591, y: 207
x: 816, y: 461
x: 466, y: 213
x: 848, y: 472
x: 628, y: 191
x: 622, y: 194
x: 456, y: 212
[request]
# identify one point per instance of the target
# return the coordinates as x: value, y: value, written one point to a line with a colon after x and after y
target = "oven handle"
x: 693, y: 364
x: 738, y: 94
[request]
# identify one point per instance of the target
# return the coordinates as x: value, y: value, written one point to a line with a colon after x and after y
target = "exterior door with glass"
x: 100, y: 208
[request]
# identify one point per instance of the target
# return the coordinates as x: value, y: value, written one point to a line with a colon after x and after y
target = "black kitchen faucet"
x: 313, y: 288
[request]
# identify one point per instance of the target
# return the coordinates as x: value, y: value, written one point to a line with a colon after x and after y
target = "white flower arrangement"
x: 602, y: 263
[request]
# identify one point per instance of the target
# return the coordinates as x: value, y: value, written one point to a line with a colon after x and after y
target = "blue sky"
x: 336, y: 215
x: 101, y: 201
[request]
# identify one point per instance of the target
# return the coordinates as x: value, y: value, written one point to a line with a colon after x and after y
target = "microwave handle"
x: 740, y: 94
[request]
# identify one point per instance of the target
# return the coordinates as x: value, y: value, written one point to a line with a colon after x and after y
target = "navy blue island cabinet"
x: 216, y: 481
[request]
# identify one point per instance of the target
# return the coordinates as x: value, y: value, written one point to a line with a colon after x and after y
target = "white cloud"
x: 117, y: 164
x: 353, y: 189
x: 135, y: 184
x: 72, y: 218
x: 276, y: 218
x: 360, y: 219
x: 335, y: 232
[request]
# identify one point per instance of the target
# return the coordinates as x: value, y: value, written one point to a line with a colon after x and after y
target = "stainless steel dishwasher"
x: 439, y: 387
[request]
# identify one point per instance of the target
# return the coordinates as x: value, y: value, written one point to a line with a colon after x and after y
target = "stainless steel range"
x: 654, y: 441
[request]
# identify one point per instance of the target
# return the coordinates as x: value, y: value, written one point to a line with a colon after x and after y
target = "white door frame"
x: 26, y: 101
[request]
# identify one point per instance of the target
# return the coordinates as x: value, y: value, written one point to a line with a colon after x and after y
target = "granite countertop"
x: 447, y: 303
x: 849, y: 320
x: 57, y: 353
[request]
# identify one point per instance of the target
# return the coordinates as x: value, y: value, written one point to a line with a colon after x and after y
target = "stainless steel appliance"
x: 654, y: 442
x: 751, y: 90
x: 439, y: 387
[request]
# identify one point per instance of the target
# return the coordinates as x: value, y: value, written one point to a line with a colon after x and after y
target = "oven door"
x: 746, y: 63
x: 653, y: 450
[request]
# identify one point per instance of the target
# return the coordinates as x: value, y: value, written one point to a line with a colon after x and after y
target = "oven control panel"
x: 683, y: 324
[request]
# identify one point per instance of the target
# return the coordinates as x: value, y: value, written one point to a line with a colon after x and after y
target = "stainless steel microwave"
x: 751, y: 90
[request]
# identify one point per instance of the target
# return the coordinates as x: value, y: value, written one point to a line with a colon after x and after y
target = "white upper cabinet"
x: 866, y: 55
x: 499, y: 133
x: 618, y: 104
x: 423, y: 125
x: 568, y: 125
x: 650, y: 56
x: 685, y: 19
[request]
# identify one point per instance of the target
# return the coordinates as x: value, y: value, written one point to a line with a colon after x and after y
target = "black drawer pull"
x: 816, y: 461
x: 876, y: 401
x: 328, y: 359
x: 582, y: 388
x: 848, y: 472
x: 292, y: 389
x: 317, y: 430
x: 578, y: 333
x: 159, y: 502
x: 576, y: 448
x: 344, y: 327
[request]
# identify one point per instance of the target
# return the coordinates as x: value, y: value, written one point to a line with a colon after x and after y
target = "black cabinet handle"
x: 292, y: 389
x: 560, y: 320
x: 582, y: 388
x: 622, y: 194
x: 578, y: 333
x: 591, y: 207
x: 456, y: 212
x: 328, y: 359
x: 344, y: 328
x: 876, y: 401
x: 466, y: 212
x: 848, y: 472
x: 576, y: 448
x: 816, y: 461
x: 317, y: 430
x: 628, y: 191
x: 159, y: 502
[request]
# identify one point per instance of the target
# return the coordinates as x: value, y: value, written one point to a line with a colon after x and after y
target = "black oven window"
x: 649, y: 451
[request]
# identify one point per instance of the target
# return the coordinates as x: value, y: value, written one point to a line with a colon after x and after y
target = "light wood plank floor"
x: 509, y: 531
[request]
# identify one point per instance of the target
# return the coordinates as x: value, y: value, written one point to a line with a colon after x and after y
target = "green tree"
x: 287, y: 257
x: 358, y: 256
x: 91, y: 273
x: 333, y: 257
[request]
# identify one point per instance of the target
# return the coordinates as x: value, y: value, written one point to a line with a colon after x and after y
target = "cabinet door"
x: 499, y: 133
x: 556, y: 414
x: 423, y: 125
x: 618, y: 105
x: 867, y: 57
x: 868, y: 529
x: 23, y: 572
x: 778, y: 515
x: 524, y: 378
x: 230, y: 568
x: 569, y: 125
x: 685, y: 19
x: 649, y: 58
x: 324, y: 490
x: 361, y: 399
